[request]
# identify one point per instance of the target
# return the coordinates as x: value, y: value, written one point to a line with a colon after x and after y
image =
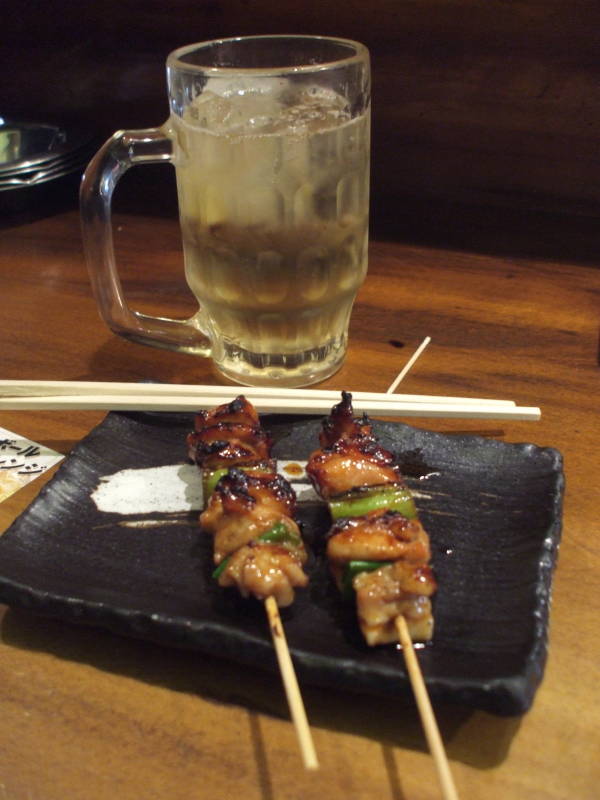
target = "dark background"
x: 485, y: 112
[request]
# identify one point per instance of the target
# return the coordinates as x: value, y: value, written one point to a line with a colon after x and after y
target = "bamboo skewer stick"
x: 394, y: 385
x: 430, y: 727
x: 273, y: 405
x: 33, y: 388
x: 290, y: 683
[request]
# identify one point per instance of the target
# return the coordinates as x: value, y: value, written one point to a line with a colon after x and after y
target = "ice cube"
x: 209, y: 110
x: 243, y: 105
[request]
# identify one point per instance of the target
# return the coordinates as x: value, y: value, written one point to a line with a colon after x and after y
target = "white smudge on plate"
x: 175, y: 488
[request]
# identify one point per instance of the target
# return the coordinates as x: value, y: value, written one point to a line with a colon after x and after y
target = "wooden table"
x: 87, y: 715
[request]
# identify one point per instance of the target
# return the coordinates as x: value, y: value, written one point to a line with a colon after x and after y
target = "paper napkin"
x: 22, y: 461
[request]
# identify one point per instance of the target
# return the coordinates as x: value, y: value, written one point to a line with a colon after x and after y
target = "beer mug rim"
x: 348, y: 51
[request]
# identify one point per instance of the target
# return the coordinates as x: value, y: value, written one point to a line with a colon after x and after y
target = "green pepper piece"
x: 394, y: 498
x: 278, y: 534
x: 220, y: 569
x: 210, y: 477
x: 354, y: 568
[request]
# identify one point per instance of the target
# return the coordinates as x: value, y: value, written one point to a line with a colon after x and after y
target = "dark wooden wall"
x: 487, y: 103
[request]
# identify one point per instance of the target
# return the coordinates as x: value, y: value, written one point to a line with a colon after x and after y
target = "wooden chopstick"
x: 32, y: 388
x: 430, y: 727
x: 391, y: 406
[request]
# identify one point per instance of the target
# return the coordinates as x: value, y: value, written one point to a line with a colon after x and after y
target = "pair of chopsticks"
x: 61, y: 395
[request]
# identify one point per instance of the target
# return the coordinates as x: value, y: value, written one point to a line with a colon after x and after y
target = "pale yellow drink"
x: 273, y: 196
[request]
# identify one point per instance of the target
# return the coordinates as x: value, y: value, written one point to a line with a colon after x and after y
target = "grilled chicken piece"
x: 349, y: 464
x: 239, y: 411
x: 242, y: 493
x: 236, y: 530
x: 398, y: 589
x: 229, y: 434
x: 341, y: 424
x: 228, y: 443
x: 244, y: 506
x: 264, y: 570
x: 378, y: 536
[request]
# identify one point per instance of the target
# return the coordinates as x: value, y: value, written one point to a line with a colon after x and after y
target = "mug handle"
x: 123, y: 150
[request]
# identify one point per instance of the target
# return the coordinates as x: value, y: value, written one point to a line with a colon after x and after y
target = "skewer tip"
x: 402, y: 374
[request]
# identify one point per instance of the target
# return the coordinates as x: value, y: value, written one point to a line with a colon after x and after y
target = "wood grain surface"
x: 87, y: 715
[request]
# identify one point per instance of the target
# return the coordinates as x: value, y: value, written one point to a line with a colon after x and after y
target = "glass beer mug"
x: 270, y: 139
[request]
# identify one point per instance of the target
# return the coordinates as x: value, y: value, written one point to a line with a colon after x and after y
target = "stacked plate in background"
x: 34, y: 155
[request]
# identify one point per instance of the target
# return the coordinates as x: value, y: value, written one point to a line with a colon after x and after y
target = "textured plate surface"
x: 492, y: 510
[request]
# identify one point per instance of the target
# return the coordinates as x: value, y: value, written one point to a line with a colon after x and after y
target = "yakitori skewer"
x: 249, y: 510
x: 377, y: 549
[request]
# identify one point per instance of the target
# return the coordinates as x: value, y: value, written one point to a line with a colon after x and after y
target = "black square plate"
x: 492, y: 510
